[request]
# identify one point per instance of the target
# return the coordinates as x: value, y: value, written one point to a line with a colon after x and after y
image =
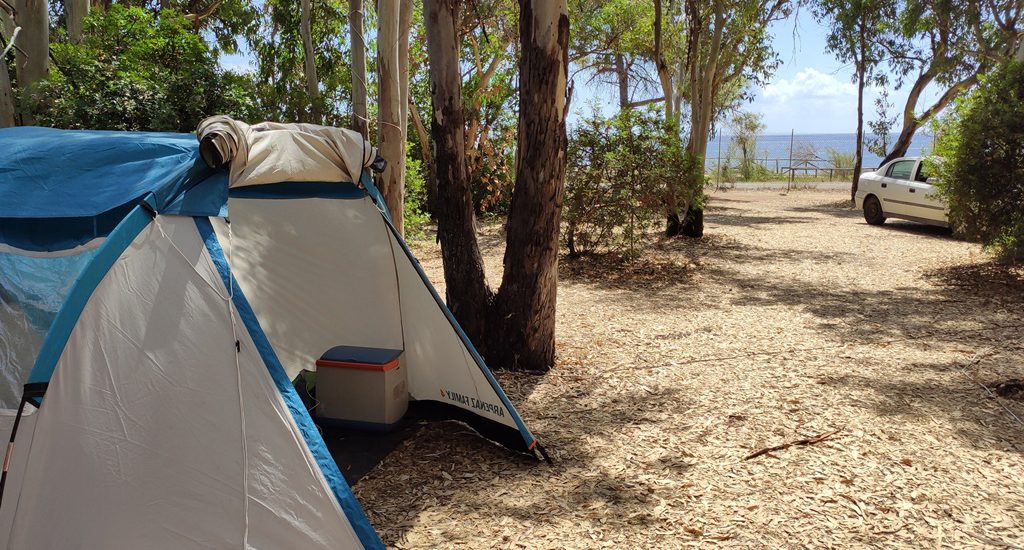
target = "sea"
x: 776, y: 147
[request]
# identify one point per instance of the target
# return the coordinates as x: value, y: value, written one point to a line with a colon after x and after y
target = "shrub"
x: 136, y: 71
x: 841, y: 162
x: 620, y: 172
x: 746, y: 127
x: 981, y: 142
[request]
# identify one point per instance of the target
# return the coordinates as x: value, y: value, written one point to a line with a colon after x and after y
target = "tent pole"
x: 31, y: 392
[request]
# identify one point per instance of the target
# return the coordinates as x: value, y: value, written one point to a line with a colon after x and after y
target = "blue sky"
x: 810, y: 93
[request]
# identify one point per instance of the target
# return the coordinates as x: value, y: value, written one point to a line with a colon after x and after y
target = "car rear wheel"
x: 873, y: 211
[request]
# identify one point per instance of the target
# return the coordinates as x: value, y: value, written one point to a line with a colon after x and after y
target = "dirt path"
x: 790, y: 319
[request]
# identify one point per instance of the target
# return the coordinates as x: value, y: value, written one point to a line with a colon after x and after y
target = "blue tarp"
x: 49, y: 173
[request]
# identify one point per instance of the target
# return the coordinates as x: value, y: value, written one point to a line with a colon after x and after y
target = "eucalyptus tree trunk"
x: 309, y: 62
x: 391, y: 127
x: 33, y: 53
x: 404, y: 27
x: 664, y: 75
x: 467, y: 293
x: 912, y: 120
x: 75, y: 12
x: 622, y: 75
x: 360, y: 116
x: 6, y: 92
x: 524, y: 309
x: 704, y: 75
x: 858, y: 157
x: 6, y: 98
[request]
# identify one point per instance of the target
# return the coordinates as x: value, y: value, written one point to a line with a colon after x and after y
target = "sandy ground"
x: 791, y: 318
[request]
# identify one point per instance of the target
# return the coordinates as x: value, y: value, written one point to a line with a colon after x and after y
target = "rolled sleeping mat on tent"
x: 271, y: 152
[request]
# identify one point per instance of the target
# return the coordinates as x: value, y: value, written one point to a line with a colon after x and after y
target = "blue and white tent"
x: 147, y: 348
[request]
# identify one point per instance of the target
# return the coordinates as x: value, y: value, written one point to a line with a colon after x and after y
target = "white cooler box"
x: 361, y: 387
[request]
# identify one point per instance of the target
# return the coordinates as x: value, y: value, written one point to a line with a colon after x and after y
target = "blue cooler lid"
x: 358, y: 354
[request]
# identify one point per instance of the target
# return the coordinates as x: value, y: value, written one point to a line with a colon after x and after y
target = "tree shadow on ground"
x: 952, y: 396
x: 593, y: 418
x: 670, y: 272
x: 720, y: 199
x: 589, y: 414
x: 962, y: 301
x: 958, y: 311
x: 841, y: 209
x: 746, y: 220
x: 613, y: 271
x: 987, y: 280
x: 921, y: 229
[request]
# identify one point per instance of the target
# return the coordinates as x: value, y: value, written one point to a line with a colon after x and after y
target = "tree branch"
x: 642, y: 102
x: 199, y: 16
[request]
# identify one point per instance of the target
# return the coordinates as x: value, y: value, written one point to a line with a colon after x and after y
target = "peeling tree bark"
x: 467, y: 293
x: 524, y: 312
x: 514, y: 328
x: 913, y: 121
x: 858, y: 155
x: 664, y: 75
x: 6, y: 97
x: 33, y: 56
x: 7, y: 112
x: 704, y: 84
x: 391, y: 127
x: 360, y: 117
x: 623, y: 78
x: 309, y: 62
x: 75, y: 12
x: 404, y: 26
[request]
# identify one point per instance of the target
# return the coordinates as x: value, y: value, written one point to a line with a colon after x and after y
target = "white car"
x: 900, y: 189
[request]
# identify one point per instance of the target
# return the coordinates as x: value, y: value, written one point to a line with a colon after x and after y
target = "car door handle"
x: 912, y: 190
x: 885, y: 185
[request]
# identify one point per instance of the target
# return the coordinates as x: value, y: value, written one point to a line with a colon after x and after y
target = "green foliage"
x: 490, y: 36
x: 136, y: 71
x: 416, y: 216
x: 842, y: 162
x: 982, y: 175
x: 882, y: 126
x: 277, y: 45
x: 619, y: 174
x: 745, y: 127
x: 228, y: 20
x: 603, y: 28
x: 851, y: 21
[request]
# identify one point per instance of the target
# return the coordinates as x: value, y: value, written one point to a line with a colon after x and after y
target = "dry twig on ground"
x: 805, y: 441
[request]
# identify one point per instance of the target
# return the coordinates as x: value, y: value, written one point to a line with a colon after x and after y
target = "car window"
x: 923, y: 173
x: 901, y: 169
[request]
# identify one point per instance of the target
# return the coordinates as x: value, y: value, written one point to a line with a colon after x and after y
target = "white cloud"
x: 809, y: 84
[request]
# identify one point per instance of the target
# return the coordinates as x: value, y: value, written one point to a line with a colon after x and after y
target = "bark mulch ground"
x: 868, y: 357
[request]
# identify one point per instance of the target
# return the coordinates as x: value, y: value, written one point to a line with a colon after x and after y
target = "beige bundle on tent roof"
x: 271, y: 152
